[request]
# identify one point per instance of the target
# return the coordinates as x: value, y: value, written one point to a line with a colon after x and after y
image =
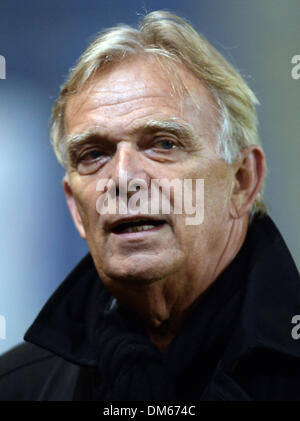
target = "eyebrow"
x: 78, y: 139
x: 181, y: 129
x: 178, y: 128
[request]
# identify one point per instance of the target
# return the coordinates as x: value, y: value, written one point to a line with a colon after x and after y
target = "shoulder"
x: 269, y: 375
x: 21, y: 356
x: 28, y: 372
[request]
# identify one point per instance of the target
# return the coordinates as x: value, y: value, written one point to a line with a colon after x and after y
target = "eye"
x: 165, y: 144
x: 91, y: 155
x: 90, y: 161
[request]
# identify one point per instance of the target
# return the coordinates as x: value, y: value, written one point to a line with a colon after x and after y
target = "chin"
x: 138, y: 270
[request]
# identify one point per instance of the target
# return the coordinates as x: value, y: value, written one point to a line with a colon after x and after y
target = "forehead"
x: 137, y: 89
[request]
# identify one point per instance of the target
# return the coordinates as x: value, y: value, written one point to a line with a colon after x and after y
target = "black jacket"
x: 236, y: 343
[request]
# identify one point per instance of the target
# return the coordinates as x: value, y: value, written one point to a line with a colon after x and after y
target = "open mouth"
x: 137, y: 226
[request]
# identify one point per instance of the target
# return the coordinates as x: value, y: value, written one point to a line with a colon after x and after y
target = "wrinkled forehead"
x: 154, y: 75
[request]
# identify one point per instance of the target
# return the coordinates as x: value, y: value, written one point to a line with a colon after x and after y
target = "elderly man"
x: 164, y: 306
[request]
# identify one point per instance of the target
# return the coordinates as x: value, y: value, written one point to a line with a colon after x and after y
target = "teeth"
x: 138, y: 229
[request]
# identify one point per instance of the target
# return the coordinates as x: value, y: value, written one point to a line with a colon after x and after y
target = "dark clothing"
x: 235, y: 343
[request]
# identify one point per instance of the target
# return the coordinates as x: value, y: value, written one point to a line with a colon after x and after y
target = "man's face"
x: 173, y: 260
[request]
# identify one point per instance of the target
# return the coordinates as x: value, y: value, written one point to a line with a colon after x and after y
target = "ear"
x: 249, y: 174
x: 73, y: 207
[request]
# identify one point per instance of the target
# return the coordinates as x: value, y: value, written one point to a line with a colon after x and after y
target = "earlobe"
x: 73, y: 207
x: 249, y: 175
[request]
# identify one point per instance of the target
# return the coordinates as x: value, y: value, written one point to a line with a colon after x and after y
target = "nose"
x: 128, y: 167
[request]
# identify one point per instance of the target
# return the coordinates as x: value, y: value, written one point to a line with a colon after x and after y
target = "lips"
x: 133, y: 225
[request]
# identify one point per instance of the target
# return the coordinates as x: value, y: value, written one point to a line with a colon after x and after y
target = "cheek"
x: 206, y: 238
x: 217, y: 198
x: 85, y: 195
x: 217, y: 192
x: 217, y: 187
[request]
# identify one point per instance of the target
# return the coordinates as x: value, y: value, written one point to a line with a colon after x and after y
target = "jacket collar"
x: 271, y: 299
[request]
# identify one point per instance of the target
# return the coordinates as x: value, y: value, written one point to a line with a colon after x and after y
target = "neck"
x: 163, y: 334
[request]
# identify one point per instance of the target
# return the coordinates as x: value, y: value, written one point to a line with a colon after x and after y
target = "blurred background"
x: 40, y: 41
